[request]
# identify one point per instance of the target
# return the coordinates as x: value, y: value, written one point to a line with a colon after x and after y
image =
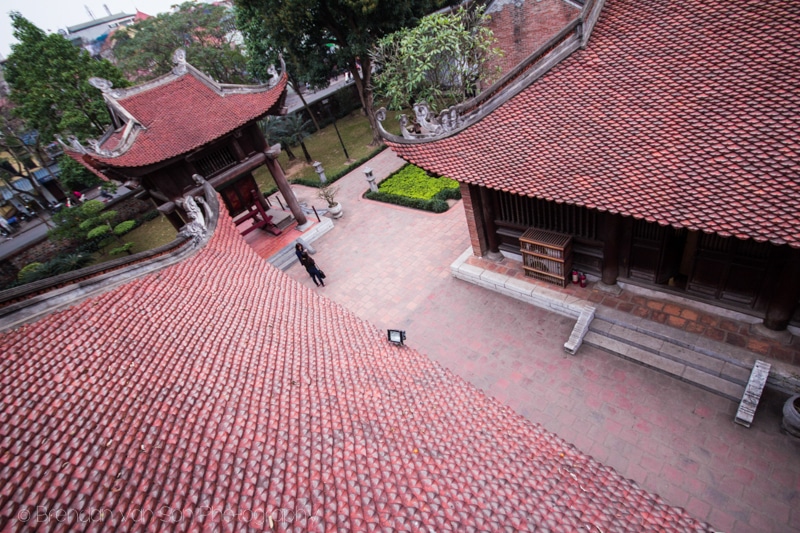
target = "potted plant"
x: 791, y: 416
x: 328, y: 193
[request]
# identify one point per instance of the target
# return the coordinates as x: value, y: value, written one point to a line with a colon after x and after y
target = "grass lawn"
x: 324, y: 146
x: 152, y: 234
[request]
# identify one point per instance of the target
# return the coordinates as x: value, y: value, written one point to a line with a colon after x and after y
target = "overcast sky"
x: 52, y: 15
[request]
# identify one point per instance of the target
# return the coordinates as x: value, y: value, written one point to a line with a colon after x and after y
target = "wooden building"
x: 184, y: 123
x: 662, y: 136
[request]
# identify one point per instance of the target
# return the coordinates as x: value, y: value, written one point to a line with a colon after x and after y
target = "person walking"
x: 316, y: 274
x: 298, y: 250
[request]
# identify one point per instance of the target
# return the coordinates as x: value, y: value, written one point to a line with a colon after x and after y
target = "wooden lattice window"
x: 215, y: 162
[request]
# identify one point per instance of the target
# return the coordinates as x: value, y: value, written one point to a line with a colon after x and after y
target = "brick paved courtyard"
x: 390, y: 265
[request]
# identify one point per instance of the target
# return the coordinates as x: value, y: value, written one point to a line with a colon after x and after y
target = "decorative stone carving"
x: 106, y: 87
x: 193, y: 211
x: 179, y: 60
x: 99, y: 83
x: 429, y: 126
x: 196, y: 228
x: 74, y: 144
x: 97, y: 149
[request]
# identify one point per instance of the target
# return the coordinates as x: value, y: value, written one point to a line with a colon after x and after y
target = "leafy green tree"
x: 49, y: 84
x: 337, y: 34
x: 440, y: 61
x: 74, y: 176
x: 90, y: 222
x: 262, y: 54
x: 207, y: 33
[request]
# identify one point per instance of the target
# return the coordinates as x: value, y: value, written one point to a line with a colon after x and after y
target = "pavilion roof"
x: 178, y: 113
x: 680, y: 113
x: 220, y: 391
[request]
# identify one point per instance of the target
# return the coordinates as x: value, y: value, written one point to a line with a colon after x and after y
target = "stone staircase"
x: 683, y: 355
x: 717, y: 367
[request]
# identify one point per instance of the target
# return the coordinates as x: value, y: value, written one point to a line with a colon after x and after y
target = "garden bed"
x: 412, y: 187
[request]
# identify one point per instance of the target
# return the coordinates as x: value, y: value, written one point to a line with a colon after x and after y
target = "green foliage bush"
x: 28, y: 272
x: 125, y: 227
x: 150, y: 215
x: 60, y: 264
x: 122, y: 249
x: 413, y: 187
x: 74, y: 176
x: 66, y: 263
x: 413, y: 182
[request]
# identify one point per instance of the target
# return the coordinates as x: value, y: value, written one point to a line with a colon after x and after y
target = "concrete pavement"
x: 390, y: 265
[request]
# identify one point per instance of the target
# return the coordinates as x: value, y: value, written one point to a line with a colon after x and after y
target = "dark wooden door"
x: 656, y: 252
x: 730, y: 270
x: 238, y: 196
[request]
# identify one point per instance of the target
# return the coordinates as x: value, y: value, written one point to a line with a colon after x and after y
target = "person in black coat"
x: 298, y: 250
x: 311, y: 267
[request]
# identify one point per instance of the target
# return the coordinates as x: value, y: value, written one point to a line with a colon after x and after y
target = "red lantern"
x: 583, y: 279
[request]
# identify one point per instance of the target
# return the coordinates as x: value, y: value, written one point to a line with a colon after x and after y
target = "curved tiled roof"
x: 220, y: 391
x: 181, y: 113
x: 681, y: 113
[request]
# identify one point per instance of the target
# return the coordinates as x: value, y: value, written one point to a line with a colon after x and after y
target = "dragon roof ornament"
x: 179, y: 60
x: 73, y: 144
x: 427, y: 125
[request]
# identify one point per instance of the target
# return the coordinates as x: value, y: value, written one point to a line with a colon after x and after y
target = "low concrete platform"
x: 690, y: 357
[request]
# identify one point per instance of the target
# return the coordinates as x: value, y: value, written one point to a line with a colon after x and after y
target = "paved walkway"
x: 390, y: 265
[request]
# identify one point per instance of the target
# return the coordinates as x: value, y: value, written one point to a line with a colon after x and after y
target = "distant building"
x: 93, y: 35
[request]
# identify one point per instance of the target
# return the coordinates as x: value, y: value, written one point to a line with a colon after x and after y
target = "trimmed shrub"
x: 413, y: 182
x: 29, y: 272
x: 60, y: 264
x: 413, y: 187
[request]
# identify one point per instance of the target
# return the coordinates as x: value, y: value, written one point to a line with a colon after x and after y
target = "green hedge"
x: 435, y: 205
x: 413, y: 187
x: 413, y: 182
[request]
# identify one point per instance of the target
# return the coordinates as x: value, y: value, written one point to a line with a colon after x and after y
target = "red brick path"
x: 391, y: 266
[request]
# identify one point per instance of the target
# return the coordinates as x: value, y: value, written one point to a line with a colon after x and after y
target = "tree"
x: 294, y: 131
x: 337, y: 34
x: 49, y: 84
x: 207, y: 33
x: 262, y: 54
x: 90, y: 222
x: 440, y: 61
x: 74, y: 176
x: 14, y: 138
x: 272, y: 128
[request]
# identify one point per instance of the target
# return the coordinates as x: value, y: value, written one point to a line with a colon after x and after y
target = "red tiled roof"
x: 683, y: 113
x: 220, y: 391
x: 184, y: 114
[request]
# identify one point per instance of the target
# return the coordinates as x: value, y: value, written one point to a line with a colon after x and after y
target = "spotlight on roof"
x: 396, y: 336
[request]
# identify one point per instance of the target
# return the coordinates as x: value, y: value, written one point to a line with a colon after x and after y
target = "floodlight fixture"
x: 396, y: 336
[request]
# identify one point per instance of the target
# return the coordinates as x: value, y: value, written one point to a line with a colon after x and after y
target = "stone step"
x: 671, y: 354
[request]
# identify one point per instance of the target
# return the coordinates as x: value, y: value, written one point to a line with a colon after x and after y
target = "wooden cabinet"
x: 546, y: 255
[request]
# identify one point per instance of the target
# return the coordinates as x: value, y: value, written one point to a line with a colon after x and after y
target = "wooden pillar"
x: 784, y: 299
x: 283, y: 184
x: 487, y: 207
x: 473, y: 212
x: 237, y: 148
x: 611, y: 240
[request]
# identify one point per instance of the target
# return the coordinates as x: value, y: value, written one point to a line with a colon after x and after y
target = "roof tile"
x: 642, y: 104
